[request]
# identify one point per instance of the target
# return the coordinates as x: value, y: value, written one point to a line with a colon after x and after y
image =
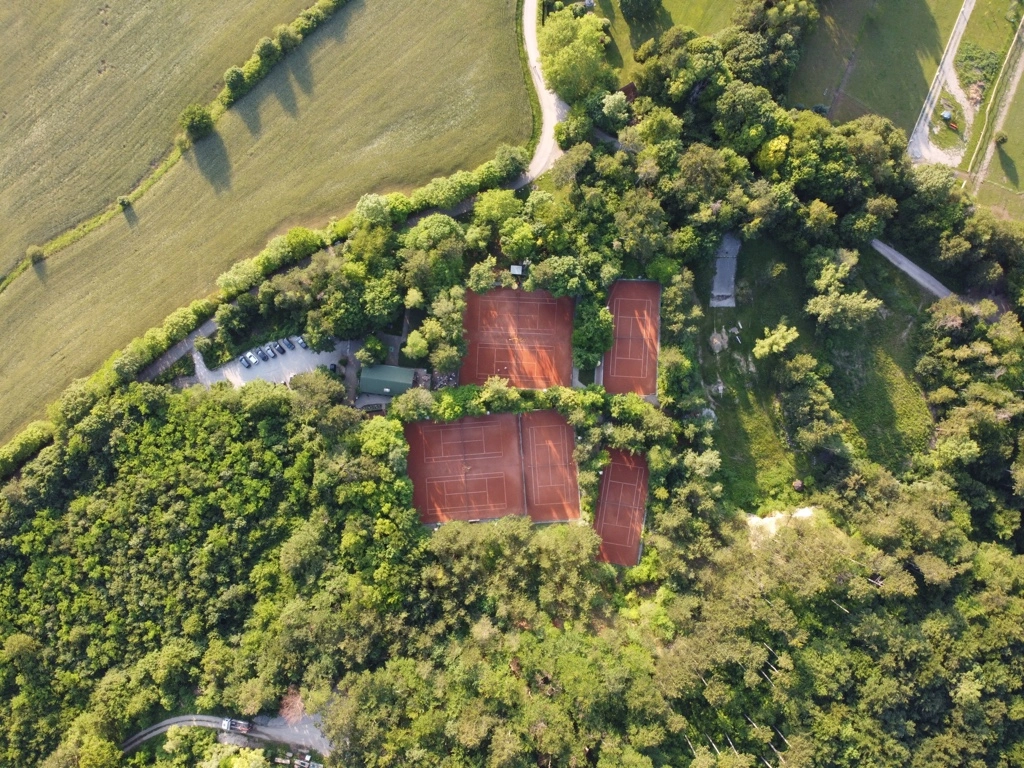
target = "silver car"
x: 252, y: 358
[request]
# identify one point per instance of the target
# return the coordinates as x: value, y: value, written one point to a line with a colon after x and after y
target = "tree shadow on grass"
x: 211, y: 157
x: 1009, y: 167
x: 131, y: 216
x: 299, y: 68
x: 39, y: 267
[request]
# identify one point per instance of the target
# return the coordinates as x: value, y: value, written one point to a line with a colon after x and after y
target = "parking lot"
x: 277, y: 369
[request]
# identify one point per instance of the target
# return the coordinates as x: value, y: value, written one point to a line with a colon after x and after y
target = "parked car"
x: 262, y: 354
x: 245, y: 363
x: 270, y: 351
x: 252, y: 358
x: 287, y: 342
x: 333, y: 367
x: 278, y: 347
x: 302, y: 342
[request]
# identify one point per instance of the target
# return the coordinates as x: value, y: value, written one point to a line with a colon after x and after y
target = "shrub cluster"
x: 281, y: 251
x: 24, y: 446
x: 238, y: 81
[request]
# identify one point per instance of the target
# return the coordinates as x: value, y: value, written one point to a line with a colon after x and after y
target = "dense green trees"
x: 217, y: 550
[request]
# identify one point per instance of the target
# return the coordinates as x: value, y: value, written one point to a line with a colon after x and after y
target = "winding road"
x: 302, y: 735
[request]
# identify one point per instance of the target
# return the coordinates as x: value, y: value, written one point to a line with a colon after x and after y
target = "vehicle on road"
x: 270, y: 351
x: 278, y: 347
x: 262, y: 354
x: 239, y: 726
x: 333, y: 367
x: 252, y: 358
x: 287, y: 342
x: 245, y: 363
x: 302, y: 342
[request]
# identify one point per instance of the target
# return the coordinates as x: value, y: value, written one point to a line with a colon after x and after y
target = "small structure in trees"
x: 387, y: 380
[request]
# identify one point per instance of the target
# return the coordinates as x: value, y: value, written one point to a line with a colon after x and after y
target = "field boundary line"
x: 1003, y: 99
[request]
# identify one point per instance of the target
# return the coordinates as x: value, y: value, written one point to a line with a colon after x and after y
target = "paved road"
x: 920, y: 147
x: 278, y: 370
x: 553, y: 109
x: 911, y: 269
x: 178, y: 351
x: 305, y: 734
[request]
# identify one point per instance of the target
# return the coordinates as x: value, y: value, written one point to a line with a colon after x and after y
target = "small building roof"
x: 385, y: 380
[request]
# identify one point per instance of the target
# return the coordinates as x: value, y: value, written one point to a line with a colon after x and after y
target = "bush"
x: 268, y: 51
x: 196, y: 121
x: 575, y: 129
x: 124, y: 202
x: 35, y: 254
x: 24, y: 446
x: 373, y: 351
x: 234, y: 82
x: 286, y: 37
x: 1001, y: 138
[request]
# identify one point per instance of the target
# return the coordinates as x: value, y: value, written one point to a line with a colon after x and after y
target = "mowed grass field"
x: 886, y: 416
x: 385, y: 96
x: 1003, y: 188
x: 898, y: 47
x: 705, y: 16
x: 90, y: 96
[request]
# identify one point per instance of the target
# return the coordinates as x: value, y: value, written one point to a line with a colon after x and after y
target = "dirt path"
x: 1004, y: 109
x: 909, y: 268
x: 920, y: 147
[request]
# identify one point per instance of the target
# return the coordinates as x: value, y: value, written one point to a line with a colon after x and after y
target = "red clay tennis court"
x: 552, y: 492
x: 620, y: 508
x: 631, y: 365
x: 525, y: 337
x: 485, y: 467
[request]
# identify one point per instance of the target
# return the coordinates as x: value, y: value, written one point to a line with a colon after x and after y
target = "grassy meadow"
x: 91, y: 93
x: 384, y: 96
x: 705, y: 16
x: 1003, y: 188
x: 886, y: 416
x: 895, y: 48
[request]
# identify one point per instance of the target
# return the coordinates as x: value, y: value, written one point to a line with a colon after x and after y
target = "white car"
x: 252, y: 358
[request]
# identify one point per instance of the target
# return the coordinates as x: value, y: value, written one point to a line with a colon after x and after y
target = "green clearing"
x: 945, y: 137
x: 705, y: 16
x: 827, y: 51
x: 898, y: 47
x: 91, y: 93
x: 1003, y: 188
x: 385, y: 96
x: 887, y: 418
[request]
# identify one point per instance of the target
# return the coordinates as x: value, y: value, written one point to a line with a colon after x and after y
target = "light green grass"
x: 705, y: 16
x: 886, y: 418
x: 1003, y: 188
x: 873, y: 376
x: 945, y: 137
x: 385, y: 96
x: 758, y: 467
x: 827, y: 51
x: 90, y: 96
x: 990, y: 25
x: 898, y: 53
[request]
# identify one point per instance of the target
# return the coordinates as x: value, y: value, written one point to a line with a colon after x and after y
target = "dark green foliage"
x: 196, y: 121
x: 974, y: 63
x: 639, y: 10
x: 210, y: 550
x: 34, y: 254
x: 593, y: 333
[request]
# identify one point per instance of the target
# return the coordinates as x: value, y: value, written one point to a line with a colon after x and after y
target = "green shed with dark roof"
x: 388, y: 380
